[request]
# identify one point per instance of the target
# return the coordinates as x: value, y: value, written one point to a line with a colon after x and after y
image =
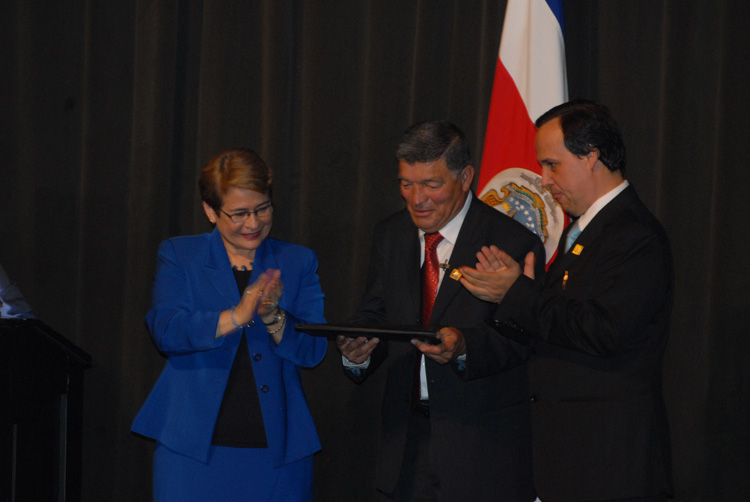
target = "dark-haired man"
x: 597, y: 329
x: 442, y: 439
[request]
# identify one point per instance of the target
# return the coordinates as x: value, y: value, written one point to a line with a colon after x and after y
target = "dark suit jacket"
x: 194, y: 283
x: 597, y: 331
x: 480, y: 429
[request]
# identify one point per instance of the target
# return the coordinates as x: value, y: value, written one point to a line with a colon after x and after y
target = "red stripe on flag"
x: 509, y: 141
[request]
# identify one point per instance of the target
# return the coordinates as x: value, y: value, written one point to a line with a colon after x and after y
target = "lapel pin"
x: 577, y: 249
x: 455, y: 274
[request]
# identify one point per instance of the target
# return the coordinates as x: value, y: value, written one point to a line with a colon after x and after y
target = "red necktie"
x: 430, y: 275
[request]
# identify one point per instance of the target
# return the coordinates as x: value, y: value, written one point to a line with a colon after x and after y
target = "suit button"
x: 264, y: 388
x: 257, y: 357
x: 533, y: 398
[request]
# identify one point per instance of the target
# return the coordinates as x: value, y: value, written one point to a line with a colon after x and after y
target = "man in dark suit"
x: 598, y: 327
x: 442, y: 438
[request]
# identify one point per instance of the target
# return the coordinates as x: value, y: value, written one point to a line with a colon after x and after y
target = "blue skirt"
x: 231, y: 474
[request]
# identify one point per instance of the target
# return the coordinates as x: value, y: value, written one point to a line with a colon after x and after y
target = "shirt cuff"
x: 350, y: 365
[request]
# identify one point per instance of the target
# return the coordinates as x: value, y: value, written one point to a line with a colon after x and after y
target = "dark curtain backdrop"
x: 109, y: 110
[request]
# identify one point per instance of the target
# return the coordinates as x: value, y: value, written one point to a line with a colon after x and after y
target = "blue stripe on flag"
x: 556, y: 6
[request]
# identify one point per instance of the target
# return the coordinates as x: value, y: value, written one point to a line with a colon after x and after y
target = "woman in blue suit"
x: 228, y: 412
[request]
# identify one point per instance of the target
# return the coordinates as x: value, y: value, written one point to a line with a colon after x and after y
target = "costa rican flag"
x: 529, y: 80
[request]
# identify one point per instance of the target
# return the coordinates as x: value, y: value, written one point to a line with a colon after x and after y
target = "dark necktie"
x: 430, y: 275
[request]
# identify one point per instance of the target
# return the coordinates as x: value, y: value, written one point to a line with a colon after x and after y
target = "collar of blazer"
x: 470, y: 240
x: 219, y: 270
x: 589, y: 234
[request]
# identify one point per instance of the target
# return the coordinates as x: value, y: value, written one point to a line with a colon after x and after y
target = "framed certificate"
x: 388, y: 332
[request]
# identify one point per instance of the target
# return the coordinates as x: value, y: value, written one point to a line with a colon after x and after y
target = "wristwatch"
x: 278, y: 316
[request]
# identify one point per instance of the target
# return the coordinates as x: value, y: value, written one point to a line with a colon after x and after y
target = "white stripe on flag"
x: 532, y: 49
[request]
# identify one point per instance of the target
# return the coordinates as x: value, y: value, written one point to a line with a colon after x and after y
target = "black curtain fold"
x: 111, y: 109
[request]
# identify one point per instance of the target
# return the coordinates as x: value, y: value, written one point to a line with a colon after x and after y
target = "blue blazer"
x: 194, y: 283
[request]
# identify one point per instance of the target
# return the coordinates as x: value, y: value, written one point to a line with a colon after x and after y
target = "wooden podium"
x: 41, y: 411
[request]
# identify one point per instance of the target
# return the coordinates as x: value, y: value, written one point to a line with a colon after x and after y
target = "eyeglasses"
x: 242, y: 216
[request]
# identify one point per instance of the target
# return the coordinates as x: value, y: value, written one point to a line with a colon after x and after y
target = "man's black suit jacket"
x: 597, y: 331
x: 480, y: 429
